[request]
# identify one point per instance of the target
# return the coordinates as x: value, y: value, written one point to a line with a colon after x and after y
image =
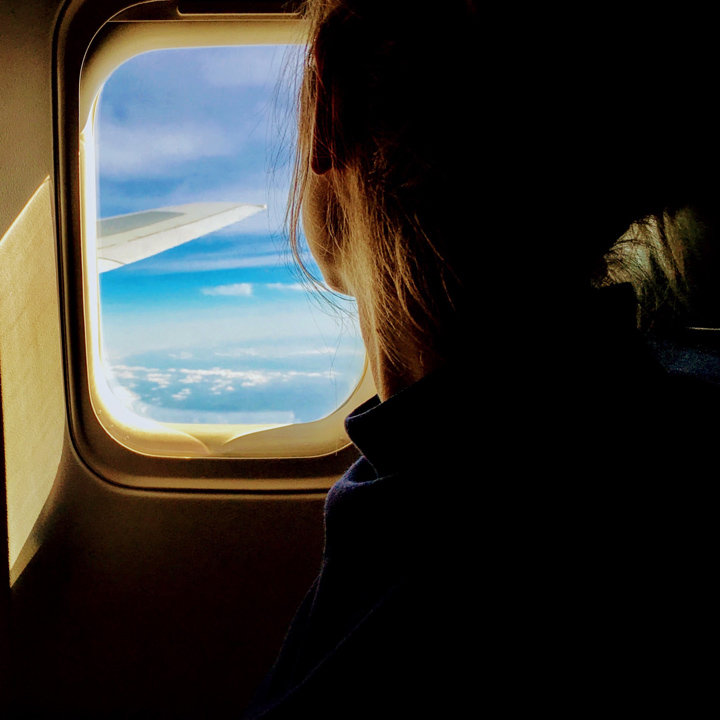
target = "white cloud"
x: 238, y: 352
x: 125, y: 375
x: 295, y: 287
x: 162, y: 379
x: 138, y: 368
x: 227, y: 70
x: 248, y: 66
x: 192, y: 378
x: 156, y: 150
x: 182, y: 395
x: 126, y: 396
x: 275, y: 352
x: 222, y: 378
x: 203, y: 262
x: 324, y: 351
x: 259, y: 377
x: 236, y: 289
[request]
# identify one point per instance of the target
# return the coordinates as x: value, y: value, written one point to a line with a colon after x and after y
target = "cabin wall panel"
x: 26, y: 129
x: 32, y: 370
x: 159, y: 602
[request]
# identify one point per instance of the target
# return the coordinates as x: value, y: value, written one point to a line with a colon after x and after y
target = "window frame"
x: 93, y: 40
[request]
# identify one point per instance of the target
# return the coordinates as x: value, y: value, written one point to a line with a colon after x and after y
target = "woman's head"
x: 385, y: 166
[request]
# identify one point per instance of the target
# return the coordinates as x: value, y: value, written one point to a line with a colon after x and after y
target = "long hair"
x: 402, y: 89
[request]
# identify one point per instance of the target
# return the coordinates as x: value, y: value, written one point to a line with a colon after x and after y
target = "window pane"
x: 217, y: 329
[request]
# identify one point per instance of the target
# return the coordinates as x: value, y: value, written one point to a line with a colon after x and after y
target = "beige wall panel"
x: 31, y: 367
x: 26, y: 30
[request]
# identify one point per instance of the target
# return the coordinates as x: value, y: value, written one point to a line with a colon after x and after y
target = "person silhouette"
x: 491, y: 187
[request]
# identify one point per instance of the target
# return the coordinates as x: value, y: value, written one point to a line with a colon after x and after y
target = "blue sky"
x: 219, y: 329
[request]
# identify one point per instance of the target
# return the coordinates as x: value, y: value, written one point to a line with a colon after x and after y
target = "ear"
x: 322, y: 151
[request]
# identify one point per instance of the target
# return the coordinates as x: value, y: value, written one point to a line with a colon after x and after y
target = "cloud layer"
x: 302, y: 390
x: 234, y: 290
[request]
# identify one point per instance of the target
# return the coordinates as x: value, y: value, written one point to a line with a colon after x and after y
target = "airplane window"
x: 203, y: 318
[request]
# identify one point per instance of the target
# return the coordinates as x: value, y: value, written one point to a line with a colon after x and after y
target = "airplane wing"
x: 125, y: 239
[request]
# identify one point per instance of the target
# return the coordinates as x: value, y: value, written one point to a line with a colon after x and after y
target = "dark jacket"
x: 498, y: 553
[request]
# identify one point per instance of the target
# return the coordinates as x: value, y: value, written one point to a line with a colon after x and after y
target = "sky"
x: 221, y: 329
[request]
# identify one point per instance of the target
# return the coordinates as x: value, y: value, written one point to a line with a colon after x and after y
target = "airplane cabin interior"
x: 155, y: 561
